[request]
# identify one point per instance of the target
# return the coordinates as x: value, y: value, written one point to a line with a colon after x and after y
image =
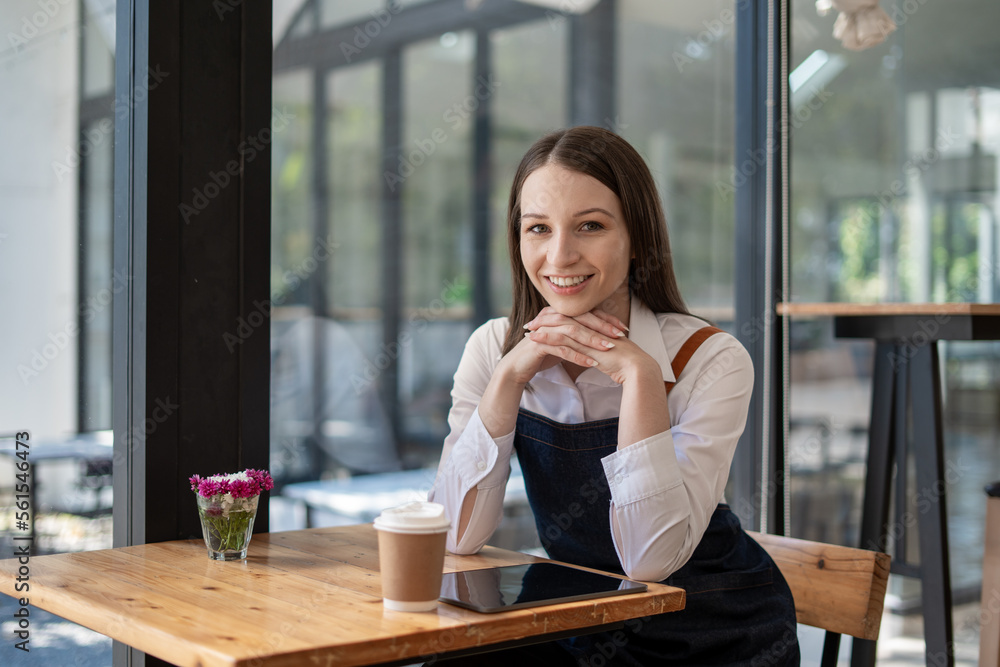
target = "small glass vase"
x: 227, y: 524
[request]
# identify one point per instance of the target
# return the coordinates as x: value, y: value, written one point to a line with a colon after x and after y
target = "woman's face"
x: 574, y: 243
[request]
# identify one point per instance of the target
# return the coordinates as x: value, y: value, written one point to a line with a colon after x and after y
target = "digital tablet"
x: 516, y: 586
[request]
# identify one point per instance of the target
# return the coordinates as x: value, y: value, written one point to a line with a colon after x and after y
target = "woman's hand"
x: 644, y: 410
x: 594, y: 339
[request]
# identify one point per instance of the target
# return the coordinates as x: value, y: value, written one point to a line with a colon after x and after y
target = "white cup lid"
x: 414, y: 517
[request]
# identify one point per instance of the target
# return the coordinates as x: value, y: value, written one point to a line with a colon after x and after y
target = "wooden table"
x: 304, y: 597
x: 906, y: 421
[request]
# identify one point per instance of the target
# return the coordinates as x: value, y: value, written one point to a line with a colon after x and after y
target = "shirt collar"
x: 644, y: 331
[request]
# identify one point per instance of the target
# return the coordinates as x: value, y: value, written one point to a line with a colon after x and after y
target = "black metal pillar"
x: 318, y: 279
x: 392, y: 237
x: 592, y: 65
x: 758, y: 268
x: 191, y: 360
x: 482, y: 174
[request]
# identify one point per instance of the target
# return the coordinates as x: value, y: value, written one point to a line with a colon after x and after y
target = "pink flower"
x: 262, y: 477
x: 246, y: 484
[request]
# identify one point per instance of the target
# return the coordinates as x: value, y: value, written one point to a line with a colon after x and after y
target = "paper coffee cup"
x: 411, y: 545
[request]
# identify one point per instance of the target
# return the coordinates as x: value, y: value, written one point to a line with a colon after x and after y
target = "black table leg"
x: 878, y: 476
x: 928, y: 449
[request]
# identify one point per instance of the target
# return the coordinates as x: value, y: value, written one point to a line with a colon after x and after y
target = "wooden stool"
x: 838, y: 589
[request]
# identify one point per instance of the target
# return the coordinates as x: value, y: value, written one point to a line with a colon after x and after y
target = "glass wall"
x: 56, y: 284
x: 894, y: 199
x: 55, y: 245
x: 390, y: 189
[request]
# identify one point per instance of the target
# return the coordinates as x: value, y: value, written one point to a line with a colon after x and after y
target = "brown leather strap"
x: 687, y: 350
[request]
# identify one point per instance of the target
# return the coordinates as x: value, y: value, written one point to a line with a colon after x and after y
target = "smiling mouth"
x: 560, y: 281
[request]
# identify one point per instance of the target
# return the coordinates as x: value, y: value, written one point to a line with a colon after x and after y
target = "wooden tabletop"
x: 862, y: 309
x: 907, y: 323
x: 300, y: 598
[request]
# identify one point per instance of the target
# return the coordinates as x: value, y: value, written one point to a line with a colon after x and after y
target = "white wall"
x: 38, y: 221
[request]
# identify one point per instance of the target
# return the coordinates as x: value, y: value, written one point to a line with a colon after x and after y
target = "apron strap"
x: 687, y: 351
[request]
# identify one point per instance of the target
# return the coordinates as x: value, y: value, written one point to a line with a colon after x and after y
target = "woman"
x: 624, y: 411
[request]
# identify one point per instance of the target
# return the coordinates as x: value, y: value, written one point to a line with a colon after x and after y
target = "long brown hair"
x: 603, y: 155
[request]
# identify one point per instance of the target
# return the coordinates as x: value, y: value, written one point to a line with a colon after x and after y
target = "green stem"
x: 231, y: 531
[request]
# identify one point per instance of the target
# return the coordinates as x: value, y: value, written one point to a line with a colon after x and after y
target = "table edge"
x: 837, y: 309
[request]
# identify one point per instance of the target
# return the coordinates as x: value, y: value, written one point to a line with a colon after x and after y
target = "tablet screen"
x: 515, y: 586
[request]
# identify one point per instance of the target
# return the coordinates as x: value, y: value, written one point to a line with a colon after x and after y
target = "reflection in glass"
x: 894, y: 199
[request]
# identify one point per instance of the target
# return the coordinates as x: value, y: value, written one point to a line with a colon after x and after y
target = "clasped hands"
x: 594, y: 339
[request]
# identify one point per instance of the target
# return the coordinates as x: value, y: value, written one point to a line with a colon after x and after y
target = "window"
x: 57, y: 75
x: 390, y: 188
x: 893, y: 199
x: 56, y: 246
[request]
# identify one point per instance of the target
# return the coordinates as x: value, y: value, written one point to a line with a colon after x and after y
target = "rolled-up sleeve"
x: 476, y: 461
x: 471, y: 458
x: 665, y: 488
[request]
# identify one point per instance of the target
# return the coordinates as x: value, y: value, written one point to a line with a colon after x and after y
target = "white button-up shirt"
x: 664, y: 489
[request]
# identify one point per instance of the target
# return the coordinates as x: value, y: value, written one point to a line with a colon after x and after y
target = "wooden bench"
x: 838, y: 589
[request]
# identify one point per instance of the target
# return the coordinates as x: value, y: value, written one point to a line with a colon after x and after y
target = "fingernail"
x: 608, y: 344
x: 526, y: 326
x: 593, y: 363
x: 619, y: 333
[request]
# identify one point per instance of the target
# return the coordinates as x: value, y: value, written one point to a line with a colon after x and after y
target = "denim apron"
x: 739, y: 610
